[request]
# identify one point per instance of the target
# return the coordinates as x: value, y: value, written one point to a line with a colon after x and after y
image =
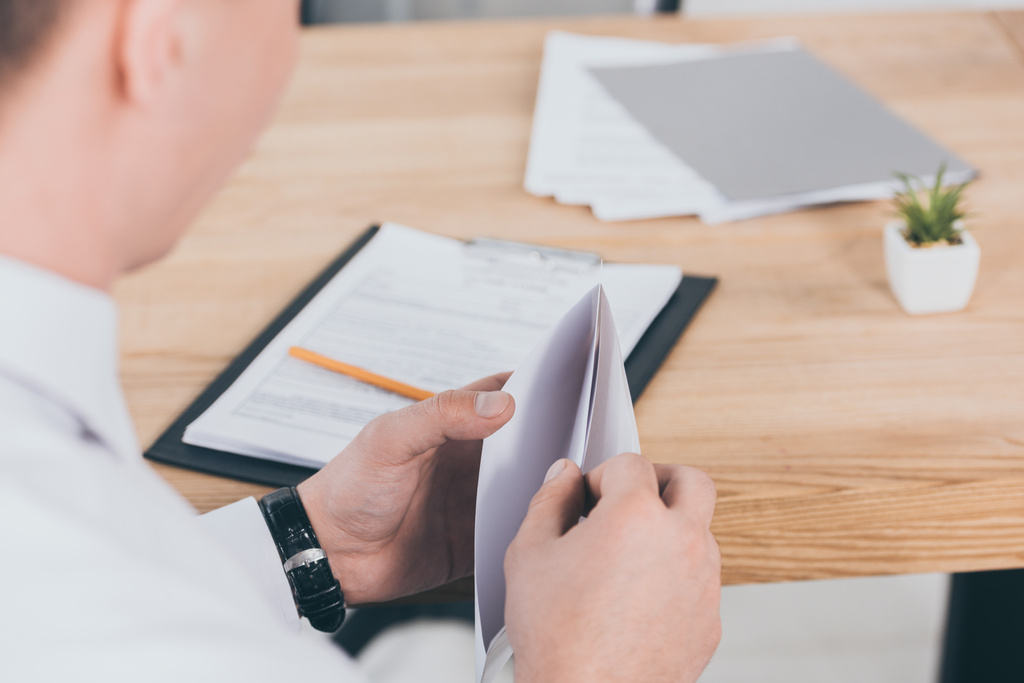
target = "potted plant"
x: 931, y: 259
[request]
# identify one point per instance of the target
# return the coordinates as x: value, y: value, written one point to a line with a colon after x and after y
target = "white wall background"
x: 406, y: 10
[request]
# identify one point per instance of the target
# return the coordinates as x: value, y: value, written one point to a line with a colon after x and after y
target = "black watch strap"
x: 317, y: 593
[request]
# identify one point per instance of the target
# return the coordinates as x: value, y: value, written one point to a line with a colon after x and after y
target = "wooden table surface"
x: 846, y: 438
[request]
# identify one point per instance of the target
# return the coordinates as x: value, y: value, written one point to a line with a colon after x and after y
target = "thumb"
x: 557, y: 506
x: 450, y: 415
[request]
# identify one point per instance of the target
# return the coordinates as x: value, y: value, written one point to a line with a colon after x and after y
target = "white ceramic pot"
x: 936, y: 279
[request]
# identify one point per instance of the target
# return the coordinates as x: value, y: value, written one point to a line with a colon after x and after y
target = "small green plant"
x: 933, y: 222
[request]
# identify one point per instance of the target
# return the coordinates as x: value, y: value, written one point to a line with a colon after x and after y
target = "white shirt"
x: 106, y: 573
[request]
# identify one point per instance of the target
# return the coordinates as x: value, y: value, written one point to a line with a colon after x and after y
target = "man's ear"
x: 149, y: 48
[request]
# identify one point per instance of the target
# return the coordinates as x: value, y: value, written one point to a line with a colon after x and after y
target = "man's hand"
x: 395, y: 510
x: 628, y: 594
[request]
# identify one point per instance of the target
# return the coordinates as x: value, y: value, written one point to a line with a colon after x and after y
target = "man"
x: 118, y: 119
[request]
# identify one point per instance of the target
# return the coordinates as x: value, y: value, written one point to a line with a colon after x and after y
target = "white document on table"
x: 572, y: 401
x: 765, y: 125
x: 587, y: 149
x: 430, y: 311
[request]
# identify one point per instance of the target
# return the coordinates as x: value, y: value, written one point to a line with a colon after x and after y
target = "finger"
x: 557, y: 506
x: 492, y: 383
x: 625, y: 474
x: 688, y: 490
x: 450, y: 415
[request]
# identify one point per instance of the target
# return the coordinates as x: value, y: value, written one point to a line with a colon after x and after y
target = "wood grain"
x: 1014, y: 24
x: 846, y: 438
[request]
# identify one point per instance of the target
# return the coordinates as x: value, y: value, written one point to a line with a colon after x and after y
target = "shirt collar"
x: 60, y: 339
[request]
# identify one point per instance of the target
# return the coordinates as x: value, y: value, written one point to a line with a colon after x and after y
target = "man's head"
x: 119, y: 119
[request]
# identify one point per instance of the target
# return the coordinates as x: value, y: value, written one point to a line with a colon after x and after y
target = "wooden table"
x: 846, y: 437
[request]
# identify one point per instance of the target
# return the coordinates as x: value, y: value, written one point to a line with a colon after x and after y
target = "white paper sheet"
x: 427, y: 310
x: 586, y: 149
x: 572, y: 401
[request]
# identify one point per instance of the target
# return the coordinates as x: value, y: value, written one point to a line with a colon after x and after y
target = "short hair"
x: 25, y: 26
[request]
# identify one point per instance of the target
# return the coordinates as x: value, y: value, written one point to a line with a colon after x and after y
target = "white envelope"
x: 572, y: 401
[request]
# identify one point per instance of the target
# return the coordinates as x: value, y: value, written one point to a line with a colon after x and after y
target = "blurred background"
x: 408, y: 10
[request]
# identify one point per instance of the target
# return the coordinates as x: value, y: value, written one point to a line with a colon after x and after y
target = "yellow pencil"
x: 359, y: 374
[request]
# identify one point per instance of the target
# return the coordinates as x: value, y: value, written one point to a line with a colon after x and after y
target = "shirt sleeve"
x: 243, y: 531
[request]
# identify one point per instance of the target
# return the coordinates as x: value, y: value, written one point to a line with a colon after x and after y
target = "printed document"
x: 430, y: 311
x: 638, y: 129
x: 586, y: 147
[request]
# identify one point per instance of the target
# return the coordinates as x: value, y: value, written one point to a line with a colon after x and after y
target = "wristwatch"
x: 317, y: 593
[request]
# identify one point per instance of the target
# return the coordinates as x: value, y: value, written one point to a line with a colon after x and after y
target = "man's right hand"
x: 628, y: 594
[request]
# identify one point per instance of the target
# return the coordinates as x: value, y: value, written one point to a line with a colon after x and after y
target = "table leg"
x: 984, y: 641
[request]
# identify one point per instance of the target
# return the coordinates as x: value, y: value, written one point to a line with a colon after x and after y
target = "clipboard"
x: 641, y: 365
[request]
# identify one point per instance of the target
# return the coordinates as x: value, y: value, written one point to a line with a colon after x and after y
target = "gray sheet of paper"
x: 761, y: 125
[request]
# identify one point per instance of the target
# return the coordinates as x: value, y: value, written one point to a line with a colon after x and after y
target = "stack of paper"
x: 637, y: 129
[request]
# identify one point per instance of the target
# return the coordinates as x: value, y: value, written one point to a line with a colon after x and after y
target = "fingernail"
x: 557, y: 468
x: 490, y: 403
